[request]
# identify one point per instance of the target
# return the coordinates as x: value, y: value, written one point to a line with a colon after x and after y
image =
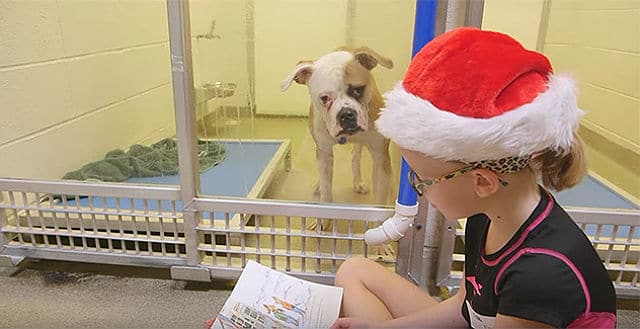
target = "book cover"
x: 266, y: 298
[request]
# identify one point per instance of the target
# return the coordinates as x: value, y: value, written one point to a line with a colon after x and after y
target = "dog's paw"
x: 325, y: 225
x: 360, y: 188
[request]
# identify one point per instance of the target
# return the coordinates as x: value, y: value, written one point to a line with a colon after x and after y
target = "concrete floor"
x: 110, y: 297
x: 49, y: 294
x: 41, y: 296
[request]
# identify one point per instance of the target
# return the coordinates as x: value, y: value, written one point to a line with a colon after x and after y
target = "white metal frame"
x: 620, y: 253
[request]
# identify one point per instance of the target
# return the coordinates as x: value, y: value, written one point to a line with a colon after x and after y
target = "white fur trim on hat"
x: 547, y: 122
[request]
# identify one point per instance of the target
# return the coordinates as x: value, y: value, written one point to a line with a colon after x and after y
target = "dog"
x: 345, y: 103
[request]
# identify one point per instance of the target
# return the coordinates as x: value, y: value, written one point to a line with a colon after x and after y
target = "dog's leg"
x: 381, y: 174
x: 358, y: 185
x: 324, y: 158
x: 381, y: 178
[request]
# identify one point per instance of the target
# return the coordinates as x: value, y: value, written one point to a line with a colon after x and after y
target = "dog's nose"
x: 347, y: 118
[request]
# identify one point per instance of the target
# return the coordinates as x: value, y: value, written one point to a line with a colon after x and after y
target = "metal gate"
x: 613, y: 233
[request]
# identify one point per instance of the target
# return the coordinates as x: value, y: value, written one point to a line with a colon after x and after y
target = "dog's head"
x: 341, y: 87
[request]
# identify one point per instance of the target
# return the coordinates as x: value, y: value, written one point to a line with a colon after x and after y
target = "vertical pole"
x: 3, y: 222
x: 183, y: 102
x: 423, y: 246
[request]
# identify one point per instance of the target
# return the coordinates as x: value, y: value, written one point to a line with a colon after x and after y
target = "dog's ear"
x: 300, y: 74
x: 369, y: 58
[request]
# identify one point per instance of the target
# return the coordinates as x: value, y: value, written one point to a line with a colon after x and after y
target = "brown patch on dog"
x: 368, y: 58
x: 357, y: 75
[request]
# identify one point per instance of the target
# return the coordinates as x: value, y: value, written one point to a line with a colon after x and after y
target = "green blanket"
x: 159, y: 159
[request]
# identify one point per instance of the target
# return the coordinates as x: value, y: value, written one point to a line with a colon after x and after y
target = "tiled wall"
x: 599, y: 43
x: 79, y: 78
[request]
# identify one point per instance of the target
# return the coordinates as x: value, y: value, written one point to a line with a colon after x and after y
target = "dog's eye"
x: 356, y: 92
x: 324, y: 99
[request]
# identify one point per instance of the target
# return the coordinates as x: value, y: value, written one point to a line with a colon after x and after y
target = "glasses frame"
x: 419, y: 185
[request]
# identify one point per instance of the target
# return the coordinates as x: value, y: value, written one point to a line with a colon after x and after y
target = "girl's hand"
x: 352, y: 323
x: 207, y: 324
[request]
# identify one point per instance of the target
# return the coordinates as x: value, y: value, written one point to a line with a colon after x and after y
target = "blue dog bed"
x: 235, y: 176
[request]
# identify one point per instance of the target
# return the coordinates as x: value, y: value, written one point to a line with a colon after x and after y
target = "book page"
x: 266, y: 298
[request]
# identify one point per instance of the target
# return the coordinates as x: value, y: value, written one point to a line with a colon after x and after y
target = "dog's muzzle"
x: 348, y: 120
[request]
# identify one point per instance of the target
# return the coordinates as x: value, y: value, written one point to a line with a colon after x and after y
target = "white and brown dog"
x: 345, y: 102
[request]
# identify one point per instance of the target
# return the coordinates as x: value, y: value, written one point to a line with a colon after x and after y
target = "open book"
x: 266, y: 298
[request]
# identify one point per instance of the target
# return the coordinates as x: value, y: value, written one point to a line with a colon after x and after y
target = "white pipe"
x: 394, y: 228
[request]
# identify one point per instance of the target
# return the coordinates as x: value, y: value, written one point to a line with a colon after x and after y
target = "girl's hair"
x: 561, y: 169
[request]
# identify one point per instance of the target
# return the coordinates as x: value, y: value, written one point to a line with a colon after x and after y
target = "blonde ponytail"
x: 562, y: 170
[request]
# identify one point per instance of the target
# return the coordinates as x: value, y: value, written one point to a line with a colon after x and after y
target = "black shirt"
x: 548, y: 272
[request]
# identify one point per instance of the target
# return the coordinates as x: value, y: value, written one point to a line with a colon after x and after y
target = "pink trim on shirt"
x: 523, y: 236
x: 595, y: 320
x: 553, y: 253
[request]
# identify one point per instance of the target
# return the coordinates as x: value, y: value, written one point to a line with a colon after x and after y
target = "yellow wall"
x: 288, y: 31
x: 519, y: 18
x: 79, y: 78
x: 387, y: 27
x: 223, y: 59
x: 599, y: 42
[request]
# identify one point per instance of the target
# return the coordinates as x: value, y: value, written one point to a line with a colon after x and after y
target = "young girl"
x: 478, y: 118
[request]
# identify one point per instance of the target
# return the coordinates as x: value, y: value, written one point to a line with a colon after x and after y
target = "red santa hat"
x: 472, y: 95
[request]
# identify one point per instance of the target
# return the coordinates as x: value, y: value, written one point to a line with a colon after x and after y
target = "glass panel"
x: 82, y: 87
x: 243, y: 50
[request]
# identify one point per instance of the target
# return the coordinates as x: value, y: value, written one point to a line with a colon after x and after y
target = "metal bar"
x: 184, y: 107
x: 123, y: 247
x: 228, y: 237
x: 64, y: 187
x: 107, y: 224
x: 40, y: 215
x: 25, y: 201
x: 243, y: 243
x: 273, y: 242
x: 214, y: 256
x: 303, y: 244
x: 89, y: 235
x: 12, y: 201
x: 279, y: 254
x: 604, y: 216
x: 80, y: 210
x: 161, y: 219
x: 291, y: 208
x: 475, y: 9
x: 134, y: 220
x: 349, y: 242
x: 445, y: 256
x: 288, y: 238
x: 93, y: 257
x: 280, y: 231
x: 625, y: 255
x: 3, y: 221
x: 334, y: 245
x: 257, y: 229
x: 83, y: 240
x: 67, y: 218
x: 318, y: 245
x: 145, y: 203
x: 56, y: 227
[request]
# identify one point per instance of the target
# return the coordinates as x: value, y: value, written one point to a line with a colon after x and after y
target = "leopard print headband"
x: 505, y: 165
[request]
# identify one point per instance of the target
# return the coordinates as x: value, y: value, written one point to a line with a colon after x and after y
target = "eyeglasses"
x: 420, y: 184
